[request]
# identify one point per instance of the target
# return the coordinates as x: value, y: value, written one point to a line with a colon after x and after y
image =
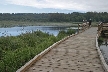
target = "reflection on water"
x: 106, y: 42
x: 14, y: 31
x: 104, y: 49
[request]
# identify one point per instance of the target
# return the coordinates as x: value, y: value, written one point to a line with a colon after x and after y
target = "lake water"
x: 104, y: 49
x: 14, y: 31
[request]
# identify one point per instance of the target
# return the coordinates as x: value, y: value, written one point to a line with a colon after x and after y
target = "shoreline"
x: 5, y: 24
x: 23, y: 24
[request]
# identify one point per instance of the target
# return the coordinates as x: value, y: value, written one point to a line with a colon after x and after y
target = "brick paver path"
x: 76, y: 54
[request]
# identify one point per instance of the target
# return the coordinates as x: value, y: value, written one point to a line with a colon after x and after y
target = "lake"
x: 14, y: 31
x: 104, y: 49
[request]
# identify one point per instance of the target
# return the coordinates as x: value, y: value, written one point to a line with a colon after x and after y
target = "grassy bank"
x: 33, y: 23
x: 15, y: 51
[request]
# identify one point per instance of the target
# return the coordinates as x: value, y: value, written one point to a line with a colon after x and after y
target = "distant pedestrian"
x: 90, y: 21
x: 84, y: 21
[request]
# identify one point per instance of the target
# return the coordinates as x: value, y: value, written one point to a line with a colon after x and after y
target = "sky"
x: 53, y: 6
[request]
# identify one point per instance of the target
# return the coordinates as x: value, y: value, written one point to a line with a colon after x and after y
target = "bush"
x: 65, y: 33
x: 100, y: 40
x: 70, y: 31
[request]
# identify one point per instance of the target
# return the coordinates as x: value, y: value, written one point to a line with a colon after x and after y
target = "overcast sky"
x: 52, y: 6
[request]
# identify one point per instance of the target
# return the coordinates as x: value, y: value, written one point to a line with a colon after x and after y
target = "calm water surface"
x: 104, y: 49
x: 14, y: 31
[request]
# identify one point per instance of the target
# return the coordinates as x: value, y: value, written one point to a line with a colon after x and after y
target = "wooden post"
x: 78, y: 28
x: 100, y: 28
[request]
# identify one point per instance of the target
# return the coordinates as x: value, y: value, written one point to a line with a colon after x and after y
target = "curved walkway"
x: 76, y: 54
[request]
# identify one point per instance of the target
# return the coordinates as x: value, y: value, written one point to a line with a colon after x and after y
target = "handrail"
x: 82, y: 27
x: 100, y: 26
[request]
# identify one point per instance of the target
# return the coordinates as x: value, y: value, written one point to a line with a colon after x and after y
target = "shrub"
x: 100, y: 40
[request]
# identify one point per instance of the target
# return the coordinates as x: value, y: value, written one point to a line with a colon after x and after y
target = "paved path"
x: 76, y: 54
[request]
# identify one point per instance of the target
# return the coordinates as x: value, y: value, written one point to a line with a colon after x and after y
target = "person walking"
x: 90, y: 21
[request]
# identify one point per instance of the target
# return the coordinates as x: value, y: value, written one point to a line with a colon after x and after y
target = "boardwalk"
x: 76, y: 54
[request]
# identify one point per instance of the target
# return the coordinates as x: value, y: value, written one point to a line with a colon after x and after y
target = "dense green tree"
x: 54, y: 17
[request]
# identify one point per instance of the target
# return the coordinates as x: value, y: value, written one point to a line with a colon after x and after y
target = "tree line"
x: 54, y: 17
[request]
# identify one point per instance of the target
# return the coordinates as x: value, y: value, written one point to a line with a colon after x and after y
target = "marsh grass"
x: 33, y: 23
x: 15, y: 51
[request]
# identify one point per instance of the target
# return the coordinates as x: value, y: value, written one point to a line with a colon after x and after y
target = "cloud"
x: 80, y: 5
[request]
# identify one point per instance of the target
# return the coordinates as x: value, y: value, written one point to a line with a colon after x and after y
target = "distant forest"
x: 54, y: 17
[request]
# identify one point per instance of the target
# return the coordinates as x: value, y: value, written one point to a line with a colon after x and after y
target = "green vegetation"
x: 54, y: 17
x: 100, y: 40
x: 29, y: 19
x: 15, y: 51
x: 27, y: 23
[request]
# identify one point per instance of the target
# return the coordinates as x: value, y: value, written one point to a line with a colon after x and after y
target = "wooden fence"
x: 83, y: 27
x: 103, y: 27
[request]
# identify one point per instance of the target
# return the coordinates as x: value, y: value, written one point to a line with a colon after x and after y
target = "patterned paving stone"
x: 76, y: 54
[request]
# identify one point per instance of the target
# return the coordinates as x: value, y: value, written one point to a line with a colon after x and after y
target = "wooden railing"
x: 82, y: 27
x: 102, y: 27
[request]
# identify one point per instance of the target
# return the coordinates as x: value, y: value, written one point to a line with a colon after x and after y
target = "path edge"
x: 105, y: 66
